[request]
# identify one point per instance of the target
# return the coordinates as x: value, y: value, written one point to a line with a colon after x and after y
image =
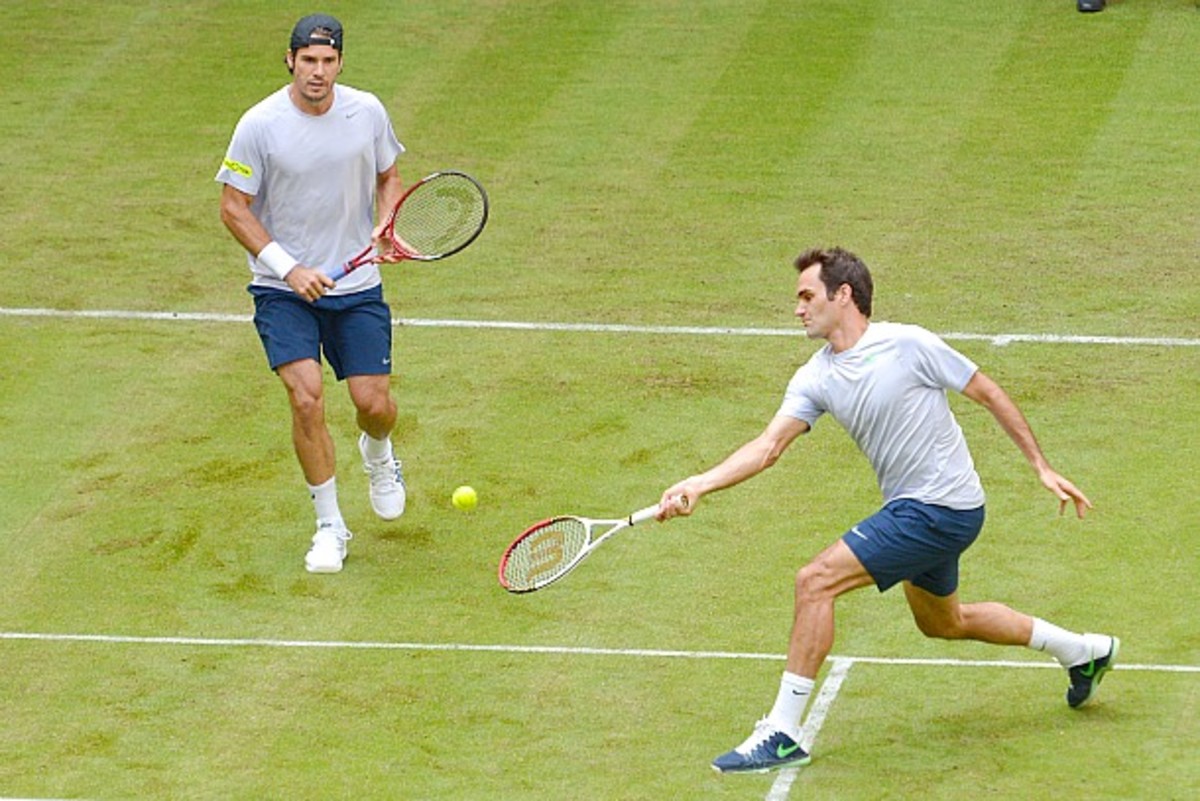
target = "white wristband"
x: 276, y: 259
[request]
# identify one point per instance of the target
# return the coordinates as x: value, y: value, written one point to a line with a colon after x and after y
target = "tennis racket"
x: 551, y: 549
x: 437, y: 217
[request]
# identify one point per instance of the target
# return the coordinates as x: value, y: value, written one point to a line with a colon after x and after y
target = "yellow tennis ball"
x: 464, y: 498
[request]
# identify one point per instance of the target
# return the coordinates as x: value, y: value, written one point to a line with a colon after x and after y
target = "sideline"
x: 555, y: 650
x: 812, y: 724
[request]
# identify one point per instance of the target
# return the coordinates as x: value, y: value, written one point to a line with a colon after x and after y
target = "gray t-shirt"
x: 889, y: 393
x: 313, y: 178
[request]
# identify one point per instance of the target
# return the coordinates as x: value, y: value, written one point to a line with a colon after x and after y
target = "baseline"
x: 999, y: 340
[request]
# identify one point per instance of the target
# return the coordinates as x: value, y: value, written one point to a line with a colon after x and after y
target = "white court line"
x: 238, y: 642
x: 812, y: 724
x: 556, y: 650
x: 607, y: 328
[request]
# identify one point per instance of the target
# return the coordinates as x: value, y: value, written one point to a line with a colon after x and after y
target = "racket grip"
x: 651, y: 512
x: 365, y: 257
x: 642, y: 515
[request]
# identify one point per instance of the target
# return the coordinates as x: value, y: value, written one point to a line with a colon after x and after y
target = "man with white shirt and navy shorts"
x: 308, y: 171
x: 886, y: 384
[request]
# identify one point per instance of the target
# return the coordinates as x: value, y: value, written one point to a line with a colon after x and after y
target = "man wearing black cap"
x: 308, y: 171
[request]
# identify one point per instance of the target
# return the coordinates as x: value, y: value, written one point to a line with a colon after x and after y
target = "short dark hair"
x: 839, y: 267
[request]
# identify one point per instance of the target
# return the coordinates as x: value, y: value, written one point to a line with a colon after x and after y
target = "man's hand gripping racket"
x: 436, y: 217
x: 551, y: 549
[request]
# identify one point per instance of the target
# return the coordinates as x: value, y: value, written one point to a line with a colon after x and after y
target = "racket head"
x: 543, y: 553
x: 438, y: 216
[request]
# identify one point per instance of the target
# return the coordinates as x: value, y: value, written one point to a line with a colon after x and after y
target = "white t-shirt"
x: 889, y: 393
x: 313, y: 178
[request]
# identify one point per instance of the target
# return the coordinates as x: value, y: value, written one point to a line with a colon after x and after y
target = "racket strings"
x: 441, y: 215
x: 544, y: 552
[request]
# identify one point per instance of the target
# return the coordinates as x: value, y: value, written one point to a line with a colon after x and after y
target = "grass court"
x: 1020, y: 177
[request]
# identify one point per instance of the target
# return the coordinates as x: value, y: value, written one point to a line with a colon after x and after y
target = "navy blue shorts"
x: 353, y: 331
x: 908, y: 540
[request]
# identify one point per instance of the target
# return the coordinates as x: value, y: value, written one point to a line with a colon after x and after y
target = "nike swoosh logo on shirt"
x: 854, y: 530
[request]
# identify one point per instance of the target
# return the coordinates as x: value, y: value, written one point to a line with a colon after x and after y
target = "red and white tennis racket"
x: 437, y: 217
x: 551, y: 549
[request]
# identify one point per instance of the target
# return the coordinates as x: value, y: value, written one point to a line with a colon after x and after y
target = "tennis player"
x: 308, y: 171
x: 886, y: 384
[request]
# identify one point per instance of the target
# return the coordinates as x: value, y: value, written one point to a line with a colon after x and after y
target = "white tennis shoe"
x: 387, y: 482
x: 328, y: 549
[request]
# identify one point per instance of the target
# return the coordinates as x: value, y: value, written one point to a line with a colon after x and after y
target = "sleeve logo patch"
x: 238, y: 167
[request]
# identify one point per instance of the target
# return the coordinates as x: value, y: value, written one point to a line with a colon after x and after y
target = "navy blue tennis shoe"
x: 1085, y: 677
x: 768, y: 748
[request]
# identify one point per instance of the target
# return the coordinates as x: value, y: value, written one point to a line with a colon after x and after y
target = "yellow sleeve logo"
x: 238, y: 167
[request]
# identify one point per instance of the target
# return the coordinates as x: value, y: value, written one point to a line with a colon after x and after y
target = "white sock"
x: 790, y: 703
x: 376, y: 450
x: 325, y: 501
x: 1067, y: 647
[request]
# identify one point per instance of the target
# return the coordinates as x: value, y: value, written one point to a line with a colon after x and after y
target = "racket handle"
x: 365, y: 257
x: 643, y: 515
x: 650, y: 512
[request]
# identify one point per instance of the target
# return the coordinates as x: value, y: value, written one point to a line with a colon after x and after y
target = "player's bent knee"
x: 307, y: 405
x: 377, y: 407
x: 813, y: 581
x: 374, y: 402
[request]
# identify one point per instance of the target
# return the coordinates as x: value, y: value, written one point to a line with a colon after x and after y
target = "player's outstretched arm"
x: 746, y: 462
x: 987, y: 393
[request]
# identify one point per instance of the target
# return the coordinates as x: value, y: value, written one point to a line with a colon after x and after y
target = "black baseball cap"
x: 317, y: 29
